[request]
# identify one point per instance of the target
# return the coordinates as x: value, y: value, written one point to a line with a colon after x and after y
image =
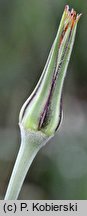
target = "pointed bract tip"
x: 74, y: 17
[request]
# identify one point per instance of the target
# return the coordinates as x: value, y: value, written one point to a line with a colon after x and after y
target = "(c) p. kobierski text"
x: 54, y: 207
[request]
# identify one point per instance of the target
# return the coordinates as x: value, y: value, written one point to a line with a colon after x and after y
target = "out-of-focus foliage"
x: 27, y: 30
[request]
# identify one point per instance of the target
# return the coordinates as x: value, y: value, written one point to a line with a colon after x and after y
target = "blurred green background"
x: 27, y: 31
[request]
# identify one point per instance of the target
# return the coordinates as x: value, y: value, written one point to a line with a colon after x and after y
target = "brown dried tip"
x: 72, y: 14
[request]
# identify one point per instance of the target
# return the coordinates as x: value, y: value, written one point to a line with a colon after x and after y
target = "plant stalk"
x: 30, y: 145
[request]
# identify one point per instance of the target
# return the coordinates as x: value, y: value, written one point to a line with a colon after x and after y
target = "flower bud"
x: 42, y: 111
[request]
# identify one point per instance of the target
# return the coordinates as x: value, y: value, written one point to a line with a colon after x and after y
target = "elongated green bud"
x: 42, y: 111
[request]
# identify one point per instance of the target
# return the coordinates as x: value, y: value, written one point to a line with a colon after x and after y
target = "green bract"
x: 43, y: 111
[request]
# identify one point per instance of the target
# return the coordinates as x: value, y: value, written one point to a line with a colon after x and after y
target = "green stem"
x: 31, y: 144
